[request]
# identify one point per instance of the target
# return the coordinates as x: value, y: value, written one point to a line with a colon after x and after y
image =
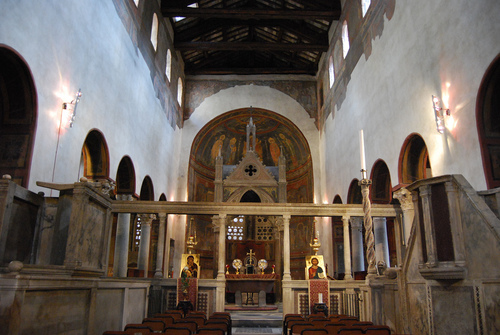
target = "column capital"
x: 405, y: 198
x: 162, y: 216
x: 357, y: 222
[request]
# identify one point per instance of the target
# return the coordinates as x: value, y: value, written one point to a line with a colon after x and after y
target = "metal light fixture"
x: 70, y: 107
x: 439, y: 113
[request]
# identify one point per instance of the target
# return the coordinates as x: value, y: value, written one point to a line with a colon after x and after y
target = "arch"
x: 365, y: 4
x: 95, y: 156
x: 180, y: 91
x: 168, y: 65
x: 354, y: 195
x: 381, y: 183
x: 331, y: 71
x: 488, y: 123
x: 147, y: 190
x: 18, y: 114
x: 337, y: 199
x: 125, y: 177
x: 163, y: 197
x: 228, y: 131
x: 250, y: 194
x: 414, y: 161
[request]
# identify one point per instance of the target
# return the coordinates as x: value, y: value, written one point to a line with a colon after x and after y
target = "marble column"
x: 381, y: 241
x: 161, y: 245
x: 358, y: 257
x: 121, y: 240
x: 406, y: 200
x: 347, y: 249
x: 221, y: 277
x: 143, y: 257
x: 286, y: 248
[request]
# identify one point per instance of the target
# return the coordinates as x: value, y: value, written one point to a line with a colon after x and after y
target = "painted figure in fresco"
x: 274, y: 149
x: 217, y: 147
x: 289, y: 148
x: 315, y: 271
x: 191, y: 269
x: 232, y: 151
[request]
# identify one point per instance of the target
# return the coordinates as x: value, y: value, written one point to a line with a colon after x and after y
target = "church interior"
x: 290, y: 157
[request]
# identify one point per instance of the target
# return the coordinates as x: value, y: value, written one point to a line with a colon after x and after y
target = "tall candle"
x: 320, y: 298
x: 362, y: 153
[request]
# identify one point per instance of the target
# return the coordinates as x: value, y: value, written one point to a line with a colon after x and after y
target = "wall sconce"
x: 439, y: 113
x: 70, y: 107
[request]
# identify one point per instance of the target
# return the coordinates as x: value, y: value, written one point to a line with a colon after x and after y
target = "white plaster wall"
x: 76, y: 44
x: 425, y: 45
x: 246, y: 96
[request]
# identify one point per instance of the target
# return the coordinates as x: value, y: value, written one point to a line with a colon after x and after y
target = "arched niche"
x: 381, y: 190
x: 95, y: 156
x: 125, y: 177
x: 488, y: 123
x: 337, y: 199
x: 414, y: 161
x: 147, y: 190
x: 354, y: 194
x: 228, y: 131
x: 18, y: 106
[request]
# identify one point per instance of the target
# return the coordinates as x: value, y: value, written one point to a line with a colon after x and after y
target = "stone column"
x: 347, y: 249
x: 286, y: 248
x: 430, y: 236
x: 287, y: 286
x: 381, y: 241
x: 121, y: 240
x: 358, y: 257
x: 143, y: 257
x: 221, y: 277
x: 406, y: 201
x: 161, y: 245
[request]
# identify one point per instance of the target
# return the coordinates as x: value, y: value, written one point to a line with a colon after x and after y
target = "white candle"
x: 362, y: 153
x: 320, y: 298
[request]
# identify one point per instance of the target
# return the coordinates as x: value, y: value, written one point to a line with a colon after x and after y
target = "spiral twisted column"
x: 369, y: 239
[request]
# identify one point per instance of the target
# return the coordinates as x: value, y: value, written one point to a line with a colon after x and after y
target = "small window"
x: 345, y: 38
x: 154, y: 31
x: 365, y: 4
x: 168, y: 67
x: 331, y: 71
x: 136, y: 3
x: 179, y: 91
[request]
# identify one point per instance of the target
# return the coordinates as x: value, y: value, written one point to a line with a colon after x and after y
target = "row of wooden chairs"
x: 319, y: 324
x: 176, y: 323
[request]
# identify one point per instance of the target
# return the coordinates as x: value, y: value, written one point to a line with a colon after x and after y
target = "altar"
x: 251, y: 283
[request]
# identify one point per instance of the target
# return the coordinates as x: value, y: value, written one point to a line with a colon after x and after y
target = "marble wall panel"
x: 453, y: 309
x: 109, y: 307
x: 135, y: 305
x: 55, y: 312
x: 492, y: 307
x: 417, y: 306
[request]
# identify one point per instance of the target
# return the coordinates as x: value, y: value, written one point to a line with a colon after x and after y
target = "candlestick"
x: 362, y: 154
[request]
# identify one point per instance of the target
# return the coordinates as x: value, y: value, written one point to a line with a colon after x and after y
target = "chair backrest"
x: 320, y: 323
x: 166, y: 318
x: 333, y: 328
x: 298, y: 327
x: 196, y: 313
x: 316, y: 315
x: 350, y: 331
x: 156, y: 324
x: 314, y: 331
x: 211, y: 332
x: 362, y: 323
x: 115, y: 332
x: 177, y: 331
x: 191, y: 325
x: 136, y: 328
x: 200, y: 320
x: 377, y: 330
x: 215, y: 324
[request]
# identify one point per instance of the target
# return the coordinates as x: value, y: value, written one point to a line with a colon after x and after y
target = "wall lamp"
x: 70, y: 107
x: 439, y: 113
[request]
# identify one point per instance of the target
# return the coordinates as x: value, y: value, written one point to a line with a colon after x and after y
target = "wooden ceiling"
x: 251, y: 36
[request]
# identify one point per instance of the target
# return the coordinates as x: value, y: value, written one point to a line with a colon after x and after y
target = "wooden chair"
x: 166, y: 318
x: 320, y: 323
x: 134, y: 328
x: 115, y: 332
x: 211, y: 331
x: 362, y: 323
x: 220, y: 323
x: 350, y: 331
x: 377, y: 330
x: 218, y: 327
x: 169, y: 330
x: 314, y: 331
x: 290, y: 323
x: 290, y: 317
x: 200, y: 313
x: 191, y: 325
x: 200, y: 320
x: 156, y: 324
x: 334, y: 327
x: 297, y: 328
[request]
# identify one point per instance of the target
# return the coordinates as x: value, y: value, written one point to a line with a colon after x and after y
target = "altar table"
x: 251, y: 283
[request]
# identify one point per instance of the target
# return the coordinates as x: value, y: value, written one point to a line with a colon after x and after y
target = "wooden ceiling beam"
x: 249, y: 46
x: 248, y: 14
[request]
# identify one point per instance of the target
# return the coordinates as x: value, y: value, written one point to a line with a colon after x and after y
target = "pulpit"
x: 251, y: 283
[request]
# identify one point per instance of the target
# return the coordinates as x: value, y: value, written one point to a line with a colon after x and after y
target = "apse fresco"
x: 227, y: 134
